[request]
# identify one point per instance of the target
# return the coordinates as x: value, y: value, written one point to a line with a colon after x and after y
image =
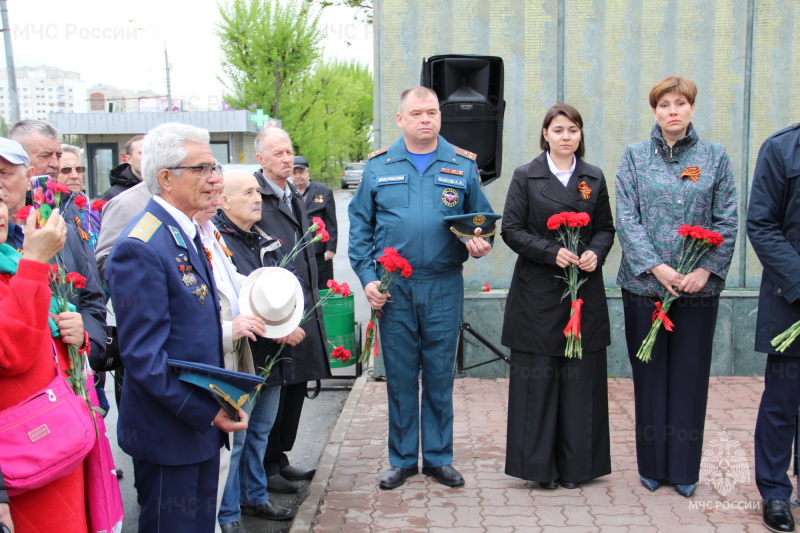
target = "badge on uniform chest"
x: 188, y: 277
x: 318, y: 199
x: 450, y: 197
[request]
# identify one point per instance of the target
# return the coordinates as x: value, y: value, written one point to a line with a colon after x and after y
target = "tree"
x: 272, y: 59
x: 267, y: 49
x: 334, y: 121
x: 364, y: 7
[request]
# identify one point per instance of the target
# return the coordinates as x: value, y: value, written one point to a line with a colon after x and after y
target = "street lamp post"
x: 166, y: 59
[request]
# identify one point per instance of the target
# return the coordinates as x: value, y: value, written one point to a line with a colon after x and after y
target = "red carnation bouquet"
x: 569, y: 233
x: 394, y: 266
x: 696, y: 242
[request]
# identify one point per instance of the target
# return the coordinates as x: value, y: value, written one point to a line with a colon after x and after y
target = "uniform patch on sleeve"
x: 145, y: 228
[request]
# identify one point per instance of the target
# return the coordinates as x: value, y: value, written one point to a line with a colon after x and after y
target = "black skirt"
x: 558, y: 418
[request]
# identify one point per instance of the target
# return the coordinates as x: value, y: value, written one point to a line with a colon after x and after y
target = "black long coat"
x: 535, y: 314
x: 319, y: 203
x: 310, y: 357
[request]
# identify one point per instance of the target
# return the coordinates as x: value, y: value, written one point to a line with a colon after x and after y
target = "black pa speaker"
x: 470, y: 91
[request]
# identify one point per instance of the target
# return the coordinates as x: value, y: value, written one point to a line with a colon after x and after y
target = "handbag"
x: 45, y: 437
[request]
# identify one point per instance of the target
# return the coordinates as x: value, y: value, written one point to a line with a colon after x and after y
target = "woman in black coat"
x: 557, y: 406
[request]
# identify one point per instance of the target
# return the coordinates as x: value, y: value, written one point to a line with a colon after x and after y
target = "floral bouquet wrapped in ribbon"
x: 696, y: 242
x: 569, y: 233
x: 394, y: 266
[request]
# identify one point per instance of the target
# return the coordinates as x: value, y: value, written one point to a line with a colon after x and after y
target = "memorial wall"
x: 603, y: 56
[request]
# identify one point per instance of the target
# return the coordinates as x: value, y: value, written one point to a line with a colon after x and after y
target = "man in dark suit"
x: 773, y: 226
x: 319, y: 203
x: 283, y: 214
x: 167, y: 307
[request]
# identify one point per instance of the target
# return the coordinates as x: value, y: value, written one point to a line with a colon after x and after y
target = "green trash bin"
x: 340, y: 324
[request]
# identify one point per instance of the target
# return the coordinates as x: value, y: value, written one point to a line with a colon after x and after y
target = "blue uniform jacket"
x: 397, y: 207
x: 773, y: 226
x: 161, y: 314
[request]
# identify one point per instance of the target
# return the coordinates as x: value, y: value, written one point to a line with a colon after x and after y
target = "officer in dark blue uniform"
x: 773, y: 226
x: 167, y: 308
x: 406, y: 191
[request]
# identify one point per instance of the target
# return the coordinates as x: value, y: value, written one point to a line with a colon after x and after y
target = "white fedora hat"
x: 274, y: 295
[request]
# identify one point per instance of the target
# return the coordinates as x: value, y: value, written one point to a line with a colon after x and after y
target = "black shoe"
x: 268, y: 510
x: 685, y: 490
x: 293, y: 473
x: 233, y: 527
x: 569, y: 485
x: 396, y: 476
x: 278, y: 483
x: 446, y: 475
x: 548, y: 485
x: 778, y: 515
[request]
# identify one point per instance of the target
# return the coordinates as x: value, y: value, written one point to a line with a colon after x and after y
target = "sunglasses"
x: 68, y: 170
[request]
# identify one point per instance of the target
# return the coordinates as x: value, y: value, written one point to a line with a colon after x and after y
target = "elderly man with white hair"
x: 167, y: 308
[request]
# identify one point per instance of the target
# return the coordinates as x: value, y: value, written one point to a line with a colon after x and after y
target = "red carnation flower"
x: 325, y: 235
x: 24, y: 212
x: 486, y: 287
x: 57, y: 186
x: 98, y: 205
x: 319, y: 222
x: 80, y: 201
x: 78, y: 281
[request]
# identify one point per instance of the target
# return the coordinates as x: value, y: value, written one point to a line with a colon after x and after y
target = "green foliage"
x: 364, y: 7
x: 272, y: 60
x: 267, y: 49
x: 334, y: 125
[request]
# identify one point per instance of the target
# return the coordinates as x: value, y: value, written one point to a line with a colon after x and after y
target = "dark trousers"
x: 178, y: 499
x: 419, y: 332
x: 671, y: 391
x: 284, y: 431
x: 776, y: 426
x: 324, y: 271
x: 558, y: 418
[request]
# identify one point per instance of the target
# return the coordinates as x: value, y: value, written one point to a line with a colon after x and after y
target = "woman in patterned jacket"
x: 658, y: 190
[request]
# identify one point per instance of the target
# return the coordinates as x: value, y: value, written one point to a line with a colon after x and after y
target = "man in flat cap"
x: 319, y: 203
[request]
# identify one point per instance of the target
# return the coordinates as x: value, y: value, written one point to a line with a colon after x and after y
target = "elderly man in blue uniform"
x: 167, y: 307
x: 773, y: 223
x: 407, y: 190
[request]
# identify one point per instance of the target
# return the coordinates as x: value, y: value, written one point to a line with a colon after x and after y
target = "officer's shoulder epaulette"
x: 465, y: 153
x: 778, y: 133
x: 378, y: 152
x: 145, y: 228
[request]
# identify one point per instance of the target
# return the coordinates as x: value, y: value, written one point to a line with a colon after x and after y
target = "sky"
x: 96, y: 39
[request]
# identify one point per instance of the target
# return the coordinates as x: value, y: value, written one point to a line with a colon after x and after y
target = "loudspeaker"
x: 470, y: 91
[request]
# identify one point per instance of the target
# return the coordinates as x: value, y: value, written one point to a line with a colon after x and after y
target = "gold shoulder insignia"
x: 378, y: 152
x: 465, y: 153
x: 145, y: 228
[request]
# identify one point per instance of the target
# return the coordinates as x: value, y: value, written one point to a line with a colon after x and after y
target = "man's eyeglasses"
x: 205, y: 170
x: 68, y: 170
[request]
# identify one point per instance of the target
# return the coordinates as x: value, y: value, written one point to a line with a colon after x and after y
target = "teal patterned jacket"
x: 653, y: 201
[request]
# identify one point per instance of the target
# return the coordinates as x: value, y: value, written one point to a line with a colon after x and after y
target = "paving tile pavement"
x: 494, y: 502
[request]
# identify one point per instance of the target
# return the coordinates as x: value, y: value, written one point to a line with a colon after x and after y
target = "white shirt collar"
x: 562, y: 175
x: 186, y: 223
